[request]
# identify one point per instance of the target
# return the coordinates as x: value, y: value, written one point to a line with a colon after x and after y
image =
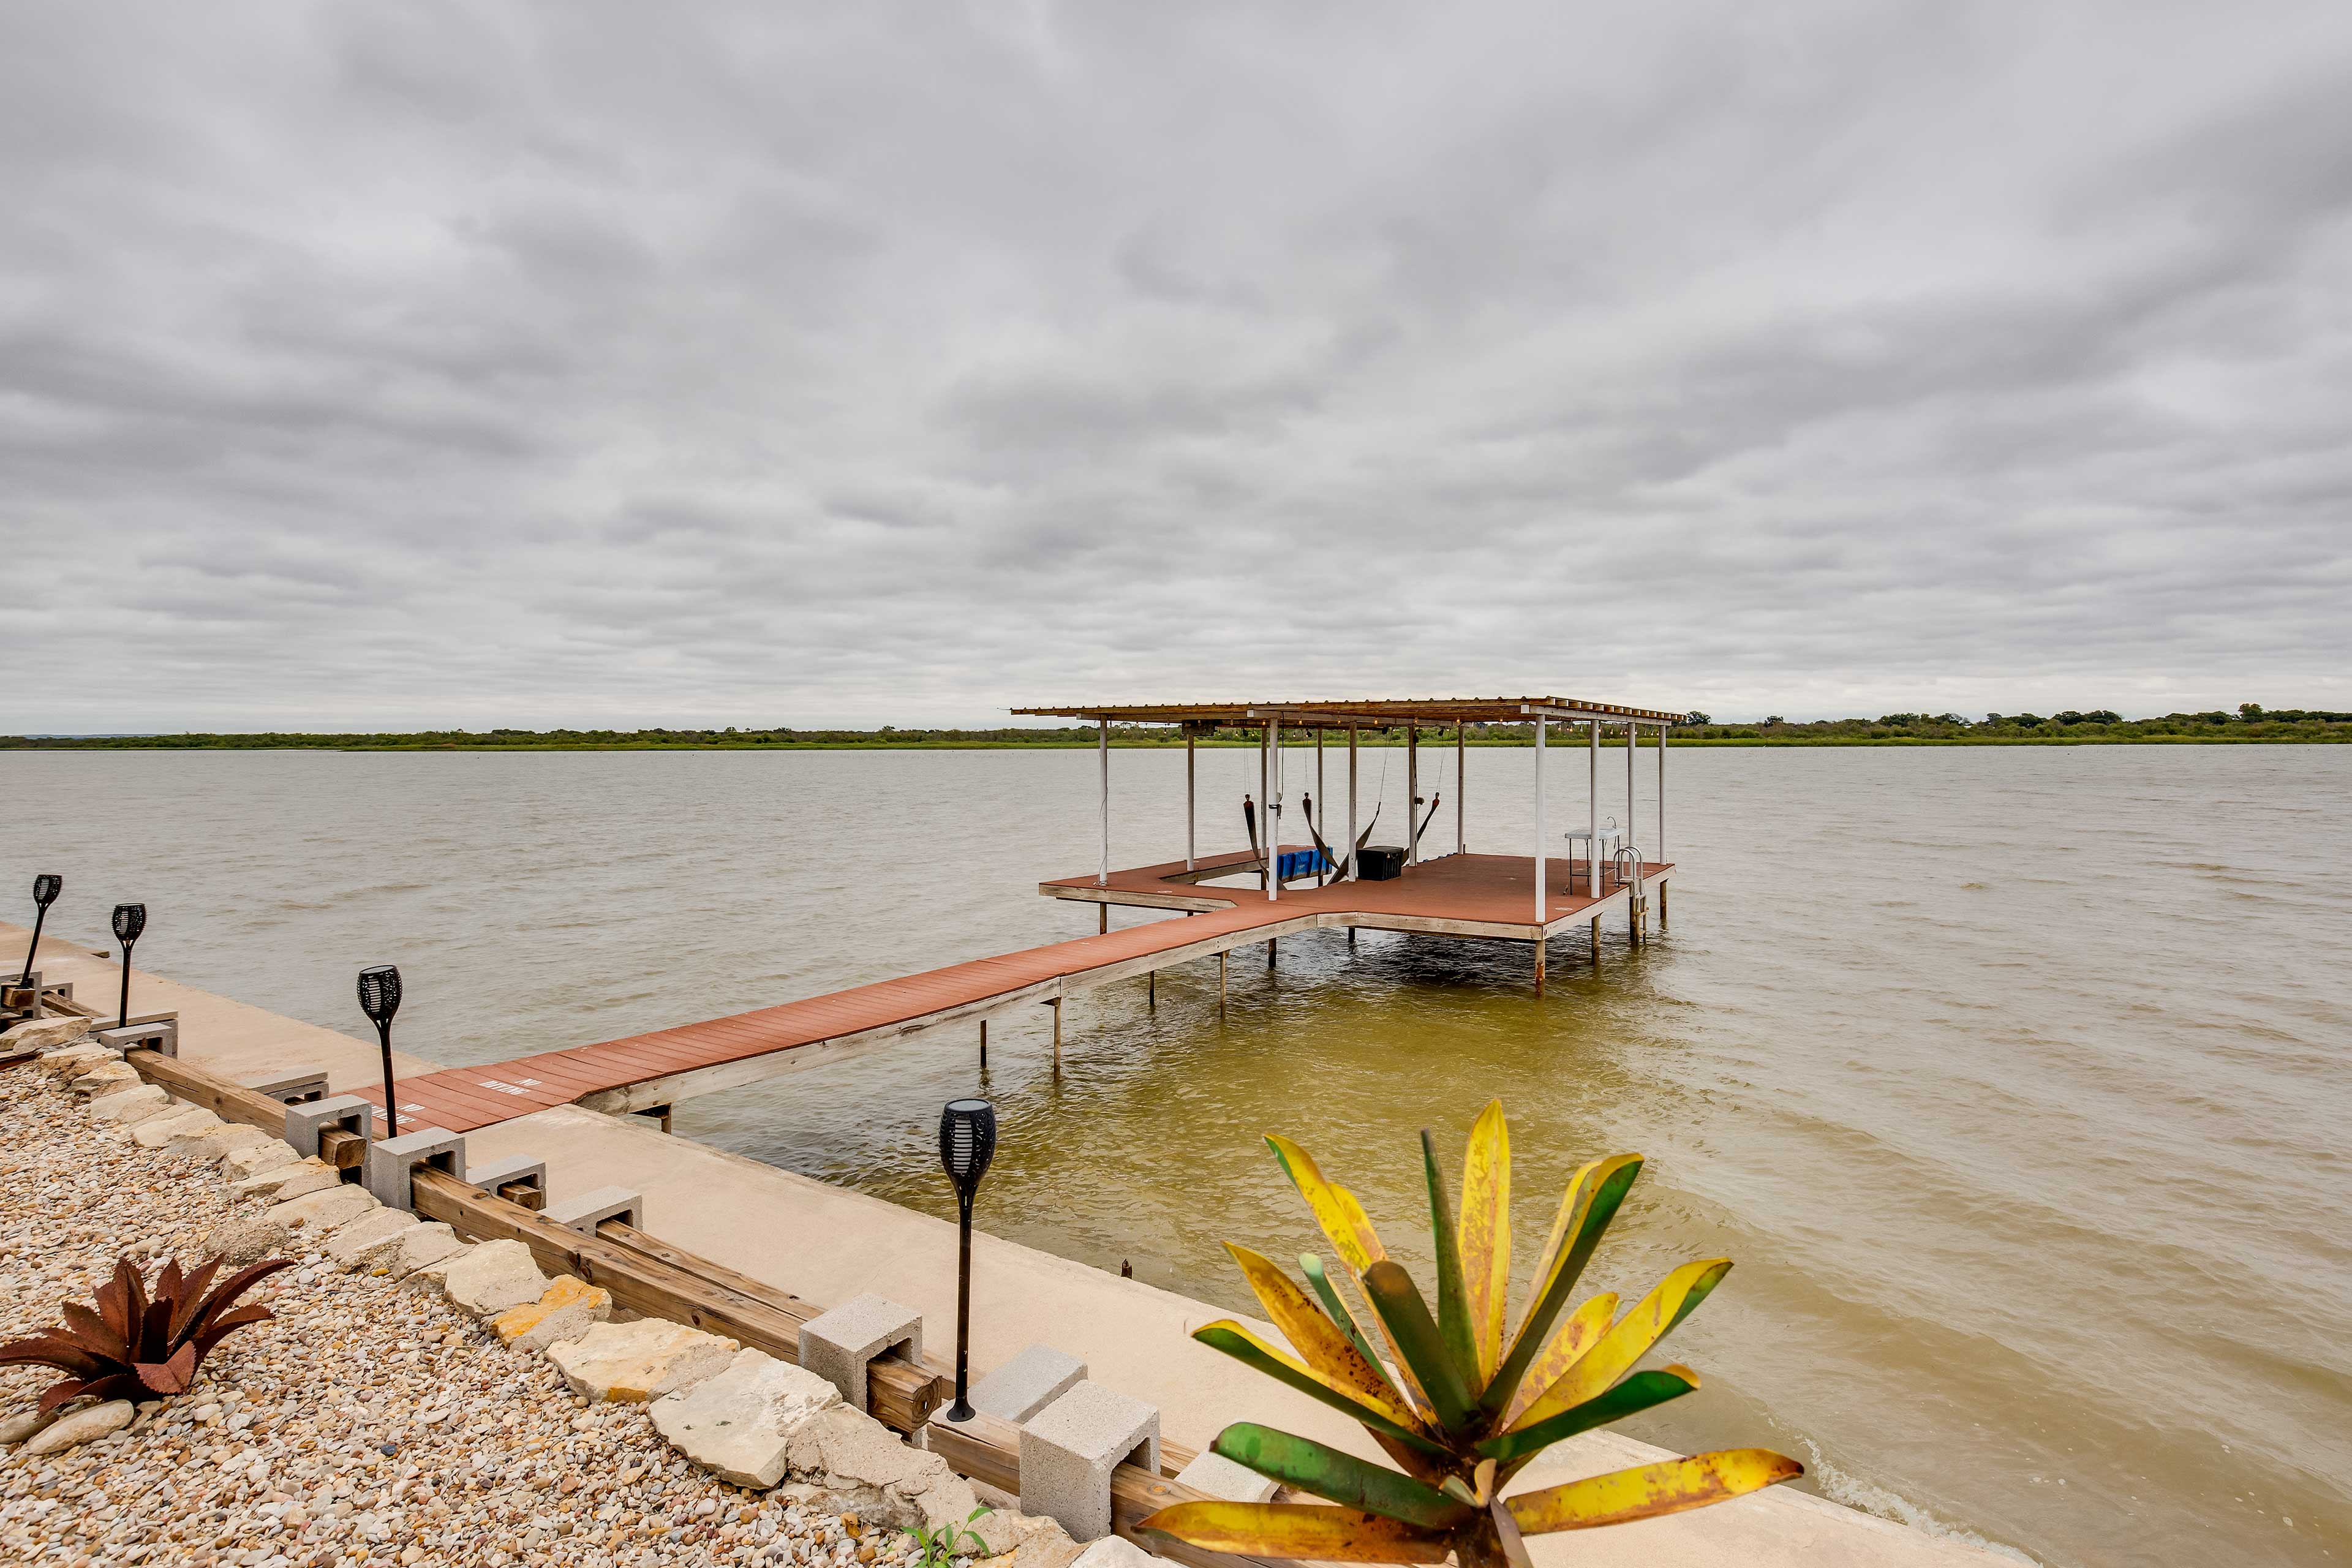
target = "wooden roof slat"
x: 1334, y: 712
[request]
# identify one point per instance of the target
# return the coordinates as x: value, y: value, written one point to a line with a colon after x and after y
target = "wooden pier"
x: 1524, y: 899
x: 1462, y: 896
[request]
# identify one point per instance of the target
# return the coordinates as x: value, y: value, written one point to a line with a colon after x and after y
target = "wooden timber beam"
x: 667, y: 1282
x: 235, y: 1103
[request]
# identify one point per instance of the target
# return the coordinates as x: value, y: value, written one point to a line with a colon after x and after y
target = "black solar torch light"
x: 45, y: 888
x: 380, y: 999
x: 129, y: 919
x: 967, y: 1142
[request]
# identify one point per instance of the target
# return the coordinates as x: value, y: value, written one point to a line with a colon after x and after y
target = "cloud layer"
x: 598, y: 364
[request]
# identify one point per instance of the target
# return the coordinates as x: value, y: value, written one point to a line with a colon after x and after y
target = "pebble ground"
x: 369, y: 1425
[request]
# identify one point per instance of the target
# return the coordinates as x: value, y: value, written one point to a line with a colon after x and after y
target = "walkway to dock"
x: 1461, y: 895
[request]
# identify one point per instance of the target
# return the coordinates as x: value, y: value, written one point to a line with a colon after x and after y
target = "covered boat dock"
x: 1307, y: 885
x: 1527, y: 897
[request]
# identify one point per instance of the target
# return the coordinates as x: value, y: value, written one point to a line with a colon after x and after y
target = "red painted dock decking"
x: 1471, y: 895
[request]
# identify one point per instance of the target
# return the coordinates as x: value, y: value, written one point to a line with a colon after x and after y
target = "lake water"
x: 2015, y: 1080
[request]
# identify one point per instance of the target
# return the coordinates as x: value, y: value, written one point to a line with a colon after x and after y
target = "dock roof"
x: 1337, y: 712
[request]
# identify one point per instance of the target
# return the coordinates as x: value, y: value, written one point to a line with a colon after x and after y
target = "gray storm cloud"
x: 593, y: 364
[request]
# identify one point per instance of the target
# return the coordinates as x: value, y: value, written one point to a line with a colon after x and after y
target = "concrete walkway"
x: 827, y: 1245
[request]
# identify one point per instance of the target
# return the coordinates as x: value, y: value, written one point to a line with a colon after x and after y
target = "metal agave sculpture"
x: 135, y: 1345
x: 1458, y: 1402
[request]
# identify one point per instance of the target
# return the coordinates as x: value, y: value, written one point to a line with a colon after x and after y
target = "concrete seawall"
x: 826, y: 1244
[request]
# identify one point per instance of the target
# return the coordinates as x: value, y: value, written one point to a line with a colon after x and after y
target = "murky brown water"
x: 2015, y: 1080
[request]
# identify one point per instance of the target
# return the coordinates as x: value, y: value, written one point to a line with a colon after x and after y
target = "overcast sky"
x: 406, y: 364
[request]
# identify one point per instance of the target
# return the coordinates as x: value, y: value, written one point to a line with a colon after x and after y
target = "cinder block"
x: 304, y: 1086
x: 590, y: 1210
x: 837, y: 1345
x: 163, y: 1035
x: 1027, y: 1384
x: 528, y: 1169
x: 1070, y: 1448
x: 1220, y: 1476
x: 393, y: 1162
x: 348, y: 1112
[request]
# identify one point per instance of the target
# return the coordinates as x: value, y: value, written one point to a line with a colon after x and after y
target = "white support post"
x: 1461, y: 773
x: 1593, y: 797
x: 1351, y: 802
x: 1274, y: 819
x: 1322, y: 798
x: 1412, y: 795
x: 1542, y: 829
x: 1662, y: 795
x: 1192, y: 806
x: 1632, y: 751
x: 1266, y: 813
x: 1102, y: 751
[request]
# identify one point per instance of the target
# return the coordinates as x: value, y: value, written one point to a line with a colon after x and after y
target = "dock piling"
x: 1152, y: 981
x: 1221, y: 984
x: 1057, y: 1004
x: 983, y: 1045
x: 1596, y: 942
x: 1539, y: 964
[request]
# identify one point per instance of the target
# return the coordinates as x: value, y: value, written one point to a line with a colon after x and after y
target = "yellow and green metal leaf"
x: 1376, y: 1415
x: 1336, y: 1209
x: 1315, y: 1337
x: 1636, y: 1393
x: 1328, y: 1294
x: 1453, y: 1306
x: 1486, y: 1235
x: 1577, y: 1333
x: 1671, y: 1300
x: 1419, y: 1344
x: 1343, y: 1219
x: 1652, y: 1492
x: 1340, y: 1478
x: 1289, y: 1530
x: 1591, y: 1203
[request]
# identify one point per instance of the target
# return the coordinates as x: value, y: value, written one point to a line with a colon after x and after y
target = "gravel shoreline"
x: 366, y: 1425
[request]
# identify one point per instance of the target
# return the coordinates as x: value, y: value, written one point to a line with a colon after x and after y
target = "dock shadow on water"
x: 2017, y: 1094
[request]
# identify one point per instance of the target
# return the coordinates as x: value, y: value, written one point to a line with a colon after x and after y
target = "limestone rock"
x: 634, y: 1363
x: 44, y: 1034
x: 949, y: 1503
x: 740, y: 1422
x: 1114, y: 1551
x: 256, y: 1158
x: 364, y: 1242
x: 1043, y: 1543
x: 418, y: 1246
x: 130, y: 1105
x: 284, y: 1184
x: 488, y: 1279
x: 246, y: 1238
x: 157, y: 1131
x: 329, y: 1208
x: 77, y: 1060
x: 849, y: 1448
x: 22, y: 1424
x: 66, y: 1431
x: 208, y: 1148
x: 105, y: 1079
x: 563, y: 1313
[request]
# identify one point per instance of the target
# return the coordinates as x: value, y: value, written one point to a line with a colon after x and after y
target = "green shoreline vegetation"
x: 2252, y: 724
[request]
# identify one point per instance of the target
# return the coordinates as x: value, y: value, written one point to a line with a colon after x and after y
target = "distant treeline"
x: 2250, y: 722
